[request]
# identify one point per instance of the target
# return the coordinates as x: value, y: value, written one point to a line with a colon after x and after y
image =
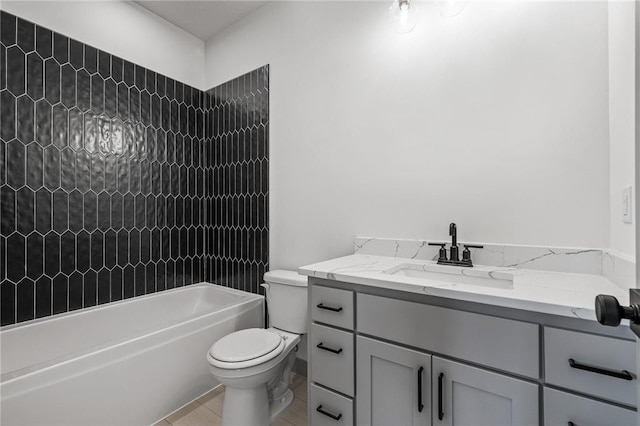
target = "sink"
x: 456, y: 276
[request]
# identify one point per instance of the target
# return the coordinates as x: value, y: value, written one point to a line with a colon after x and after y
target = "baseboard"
x: 300, y: 367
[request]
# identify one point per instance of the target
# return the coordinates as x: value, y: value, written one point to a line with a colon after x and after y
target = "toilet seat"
x: 246, y: 348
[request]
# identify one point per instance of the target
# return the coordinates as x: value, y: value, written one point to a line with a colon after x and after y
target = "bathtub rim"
x: 75, y: 312
x: 10, y: 376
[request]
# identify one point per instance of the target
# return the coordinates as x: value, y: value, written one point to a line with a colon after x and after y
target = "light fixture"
x: 403, y: 16
x: 449, y: 8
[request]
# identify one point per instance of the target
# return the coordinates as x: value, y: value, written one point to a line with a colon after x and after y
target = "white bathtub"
x: 126, y: 363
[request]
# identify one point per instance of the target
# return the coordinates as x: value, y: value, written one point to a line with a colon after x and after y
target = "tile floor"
x: 207, y: 410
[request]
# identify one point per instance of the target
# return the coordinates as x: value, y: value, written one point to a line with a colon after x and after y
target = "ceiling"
x: 203, y: 19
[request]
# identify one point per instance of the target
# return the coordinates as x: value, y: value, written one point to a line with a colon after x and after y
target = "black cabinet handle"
x: 328, y: 413
x: 623, y: 374
x: 329, y: 308
x: 440, y: 410
x: 326, y: 348
x: 420, y: 404
x: 571, y: 424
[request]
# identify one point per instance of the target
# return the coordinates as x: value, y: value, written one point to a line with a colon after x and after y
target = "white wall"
x: 495, y: 119
x: 637, y: 160
x: 124, y: 29
x: 621, y: 115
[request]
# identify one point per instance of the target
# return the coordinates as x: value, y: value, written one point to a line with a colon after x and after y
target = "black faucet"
x: 454, y: 256
x: 453, y: 250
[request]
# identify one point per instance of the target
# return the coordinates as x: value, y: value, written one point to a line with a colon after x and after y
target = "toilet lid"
x: 245, y: 345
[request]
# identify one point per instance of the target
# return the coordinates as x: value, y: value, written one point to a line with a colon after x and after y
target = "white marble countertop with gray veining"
x: 556, y: 293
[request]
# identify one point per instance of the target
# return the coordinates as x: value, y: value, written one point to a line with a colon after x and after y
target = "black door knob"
x: 609, y: 312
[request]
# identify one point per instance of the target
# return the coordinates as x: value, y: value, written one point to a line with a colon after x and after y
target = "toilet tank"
x: 286, y: 293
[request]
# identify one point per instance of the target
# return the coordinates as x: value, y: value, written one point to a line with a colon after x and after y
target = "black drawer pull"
x: 440, y: 410
x: 571, y: 424
x: 420, y: 404
x: 329, y: 308
x: 623, y: 374
x: 326, y: 348
x: 328, y: 413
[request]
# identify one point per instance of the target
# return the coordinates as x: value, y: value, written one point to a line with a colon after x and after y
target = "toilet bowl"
x: 255, y: 364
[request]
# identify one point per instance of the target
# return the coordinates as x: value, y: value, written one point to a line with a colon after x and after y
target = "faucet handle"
x: 442, y: 254
x: 473, y: 246
x: 466, y: 253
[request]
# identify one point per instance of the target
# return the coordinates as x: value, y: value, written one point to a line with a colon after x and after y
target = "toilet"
x: 255, y: 364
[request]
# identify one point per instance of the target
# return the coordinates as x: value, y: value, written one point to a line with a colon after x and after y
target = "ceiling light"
x: 403, y: 16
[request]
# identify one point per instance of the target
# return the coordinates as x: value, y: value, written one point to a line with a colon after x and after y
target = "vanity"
x: 400, y: 341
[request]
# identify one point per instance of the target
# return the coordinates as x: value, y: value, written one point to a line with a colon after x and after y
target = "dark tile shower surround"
x: 116, y: 181
x: 237, y: 131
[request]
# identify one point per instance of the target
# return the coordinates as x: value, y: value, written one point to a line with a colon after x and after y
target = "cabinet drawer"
x: 603, y: 353
x: 496, y: 342
x: 561, y: 408
x: 328, y: 408
x: 332, y: 358
x: 332, y: 306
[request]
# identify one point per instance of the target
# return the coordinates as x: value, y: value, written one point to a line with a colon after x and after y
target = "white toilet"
x: 255, y: 364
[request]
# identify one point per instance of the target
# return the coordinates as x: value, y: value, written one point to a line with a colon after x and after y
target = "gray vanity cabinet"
x: 394, y: 384
x: 466, y: 395
x: 377, y: 358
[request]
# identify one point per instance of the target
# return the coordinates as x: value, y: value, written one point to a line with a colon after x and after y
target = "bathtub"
x: 126, y: 363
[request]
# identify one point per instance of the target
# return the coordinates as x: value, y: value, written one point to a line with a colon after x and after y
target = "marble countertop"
x: 556, y: 293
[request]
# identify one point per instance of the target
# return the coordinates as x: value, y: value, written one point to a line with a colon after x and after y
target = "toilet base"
x: 235, y: 410
x: 281, y: 404
x: 246, y: 407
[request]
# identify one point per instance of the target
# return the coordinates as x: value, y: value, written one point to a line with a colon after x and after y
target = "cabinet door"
x: 465, y: 395
x: 393, y: 385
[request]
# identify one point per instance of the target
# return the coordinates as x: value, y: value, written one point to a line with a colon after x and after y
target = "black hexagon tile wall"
x: 117, y: 181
